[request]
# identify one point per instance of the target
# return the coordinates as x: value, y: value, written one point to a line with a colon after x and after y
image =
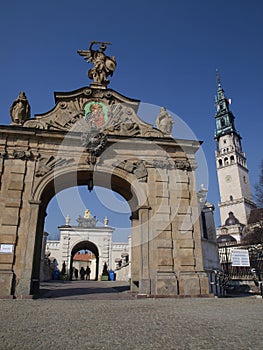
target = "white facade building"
x: 87, y: 236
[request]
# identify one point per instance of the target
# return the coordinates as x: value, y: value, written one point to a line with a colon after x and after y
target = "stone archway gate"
x: 93, y: 136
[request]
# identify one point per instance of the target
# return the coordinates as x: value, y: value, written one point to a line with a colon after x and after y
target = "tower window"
x: 226, y: 161
x: 232, y: 159
x: 245, y: 179
x: 231, y: 198
x: 223, y: 123
x: 220, y: 163
x: 224, y: 141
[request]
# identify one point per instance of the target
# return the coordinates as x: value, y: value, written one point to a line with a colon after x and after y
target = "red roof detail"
x: 83, y: 256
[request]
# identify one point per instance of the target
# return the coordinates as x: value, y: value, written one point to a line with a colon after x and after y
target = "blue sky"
x: 167, y: 53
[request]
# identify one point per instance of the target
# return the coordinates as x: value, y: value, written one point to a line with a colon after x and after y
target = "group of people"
x: 84, y: 273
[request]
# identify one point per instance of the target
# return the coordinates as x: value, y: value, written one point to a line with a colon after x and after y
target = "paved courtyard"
x: 98, y: 315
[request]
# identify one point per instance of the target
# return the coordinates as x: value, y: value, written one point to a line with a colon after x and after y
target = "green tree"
x: 259, y: 188
x: 255, y: 236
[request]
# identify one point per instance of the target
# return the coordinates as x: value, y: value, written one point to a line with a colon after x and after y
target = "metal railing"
x: 254, y: 272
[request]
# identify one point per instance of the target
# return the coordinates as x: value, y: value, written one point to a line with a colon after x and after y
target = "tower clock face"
x: 228, y: 178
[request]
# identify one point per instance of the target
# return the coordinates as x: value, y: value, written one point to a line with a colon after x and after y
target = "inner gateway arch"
x: 94, y: 137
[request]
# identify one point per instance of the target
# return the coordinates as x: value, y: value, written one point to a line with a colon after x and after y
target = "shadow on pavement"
x: 85, y: 290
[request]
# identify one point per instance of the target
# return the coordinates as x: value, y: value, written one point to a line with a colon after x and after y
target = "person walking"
x: 76, y: 273
x: 88, y: 271
x: 82, y: 273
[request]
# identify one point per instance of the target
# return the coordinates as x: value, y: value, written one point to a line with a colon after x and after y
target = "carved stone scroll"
x: 46, y: 164
x: 137, y: 168
x: 24, y: 155
x: 169, y: 164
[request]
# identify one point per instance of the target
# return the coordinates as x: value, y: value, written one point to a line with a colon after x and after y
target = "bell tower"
x: 232, y: 171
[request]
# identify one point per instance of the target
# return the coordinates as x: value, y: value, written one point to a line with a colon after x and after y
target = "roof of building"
x: 255, y: 216
x: 231, y: 220
x: 83, y: 256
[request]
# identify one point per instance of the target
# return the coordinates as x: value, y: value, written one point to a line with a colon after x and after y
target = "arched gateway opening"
x: 74, y: 239
x: 86, y: 246
x: 93, y: 136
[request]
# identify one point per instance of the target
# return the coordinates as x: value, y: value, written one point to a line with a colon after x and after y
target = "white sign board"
x: 240, y: 257
x: 6, y: 248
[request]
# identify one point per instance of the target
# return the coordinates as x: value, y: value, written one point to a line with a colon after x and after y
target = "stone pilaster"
x: 29, y: 251
x: 144, y: 282
x: 13, y: 174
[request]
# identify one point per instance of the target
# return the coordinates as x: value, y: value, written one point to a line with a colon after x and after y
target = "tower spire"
x: 218, y: 78
x: 224, y: 117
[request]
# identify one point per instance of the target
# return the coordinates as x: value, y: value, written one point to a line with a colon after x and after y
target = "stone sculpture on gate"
x: 20, y: 109
x: 104, y: 66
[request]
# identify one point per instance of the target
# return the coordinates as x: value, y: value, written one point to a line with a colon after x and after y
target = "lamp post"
x: 68, y: 257
x: 90, y: 183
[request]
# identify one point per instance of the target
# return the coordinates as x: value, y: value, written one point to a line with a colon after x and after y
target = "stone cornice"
x: 29, y: 133
x: 236, y: 201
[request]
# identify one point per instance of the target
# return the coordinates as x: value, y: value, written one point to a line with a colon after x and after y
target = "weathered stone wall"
x: 16, y: 180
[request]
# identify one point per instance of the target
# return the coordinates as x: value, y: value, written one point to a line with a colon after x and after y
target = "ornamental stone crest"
x: 95, y: 107
x: 94, y: 141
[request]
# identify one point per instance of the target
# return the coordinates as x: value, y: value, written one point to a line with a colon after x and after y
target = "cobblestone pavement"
x: 120, y: 321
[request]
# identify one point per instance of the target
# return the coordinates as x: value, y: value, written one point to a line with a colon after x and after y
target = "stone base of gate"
x: 6, y: 284
x: 26, y: 288
x: 193, y: 284
x: 145, y: 286
x: 163, y: 284
x: 188, y: 284
x: 166, y: 284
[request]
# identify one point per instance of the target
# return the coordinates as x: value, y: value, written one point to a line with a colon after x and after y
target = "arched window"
x: 220, y: 163
x: 231, y: 198
x: 232, y: 159
x: 226, y: 161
